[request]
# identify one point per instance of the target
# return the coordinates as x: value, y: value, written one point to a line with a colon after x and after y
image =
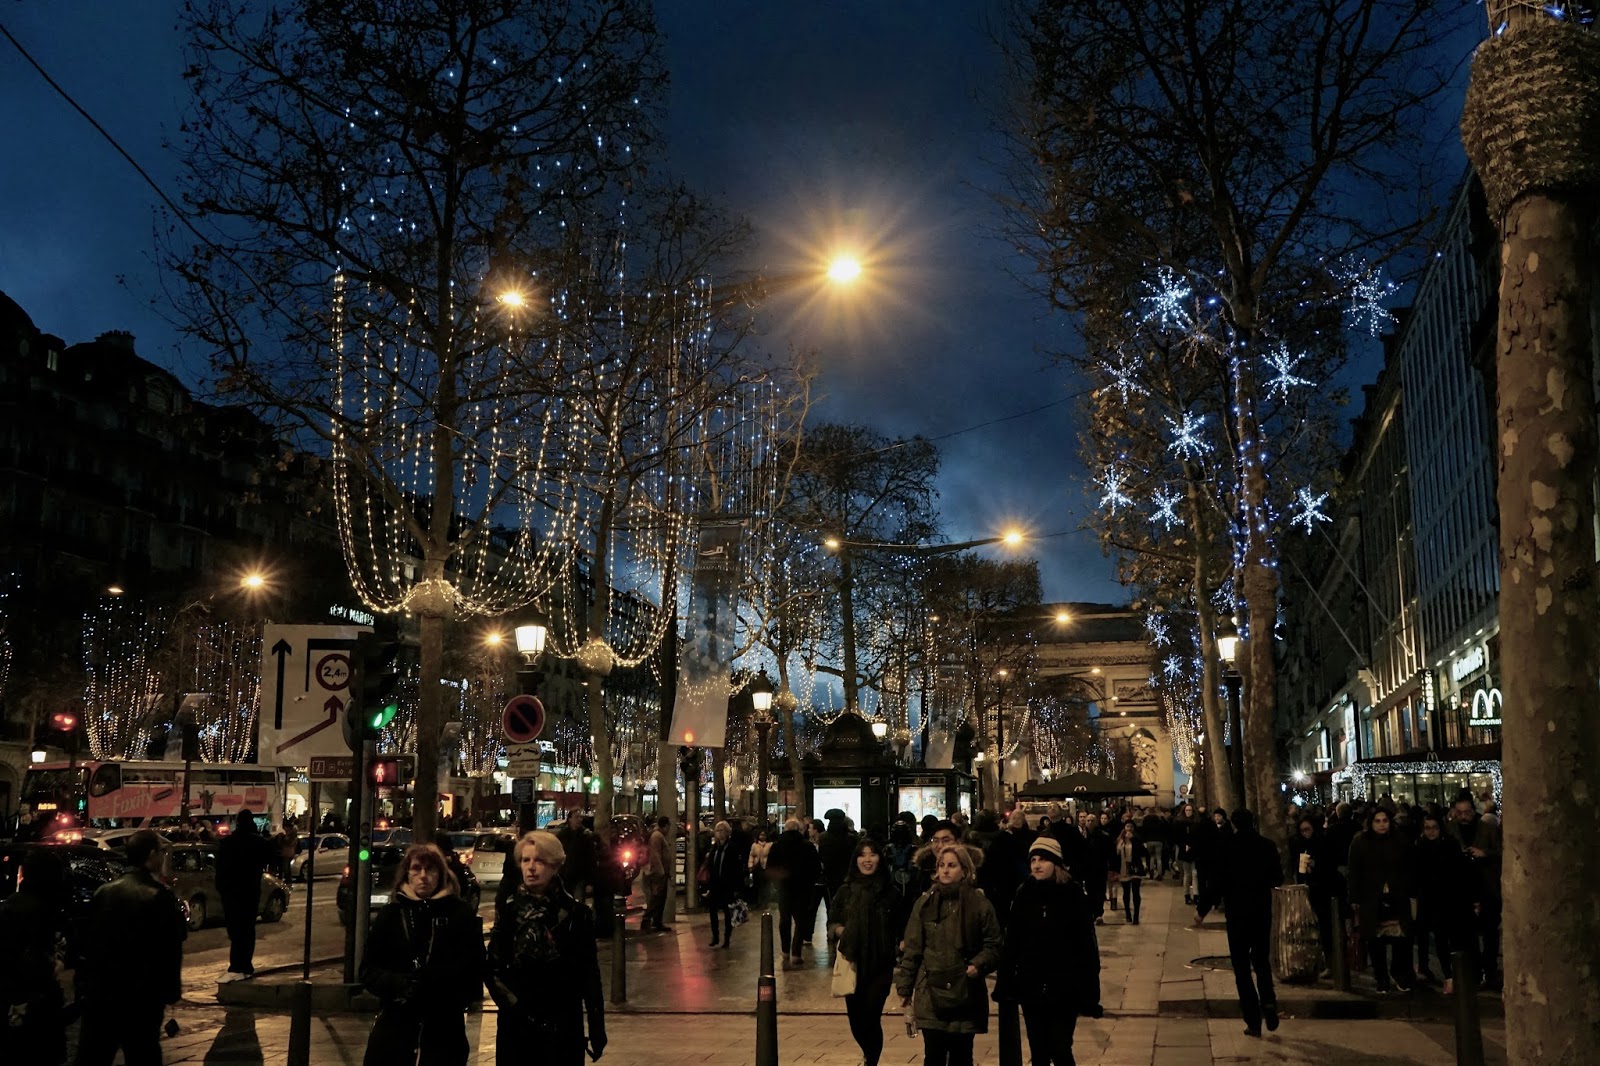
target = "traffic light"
x: 374, y: 680
x: 384, y: 772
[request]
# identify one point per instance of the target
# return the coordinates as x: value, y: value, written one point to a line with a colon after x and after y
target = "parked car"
x: 88, y: 868
x: 112, y: 839
x: 391, y: 835
x: 194, y: 879
x: 385, y: 864
x: 484, y: 850
x: 332, y: 852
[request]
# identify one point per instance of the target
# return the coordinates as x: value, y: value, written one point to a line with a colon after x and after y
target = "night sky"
x: 869, y: 123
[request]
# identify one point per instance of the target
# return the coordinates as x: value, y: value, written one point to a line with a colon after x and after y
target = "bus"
x: 113, y: 794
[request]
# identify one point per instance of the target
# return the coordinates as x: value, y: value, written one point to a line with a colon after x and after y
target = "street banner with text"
x: 700, y: 715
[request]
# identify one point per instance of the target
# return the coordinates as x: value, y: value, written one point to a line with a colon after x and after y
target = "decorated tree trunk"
x: 1529, y: 124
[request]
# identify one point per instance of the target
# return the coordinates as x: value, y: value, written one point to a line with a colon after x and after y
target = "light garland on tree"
x: 1309, y: 509
x: 1187, y: 443
x: 122, y: 690
x: 1367, y: 290
x: 1166, y: 503
x: 1113, y: 492
x: 1283, y: 362
x: 1166, y: 300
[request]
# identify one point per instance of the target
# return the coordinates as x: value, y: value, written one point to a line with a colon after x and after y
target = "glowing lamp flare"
x: 844, y: 269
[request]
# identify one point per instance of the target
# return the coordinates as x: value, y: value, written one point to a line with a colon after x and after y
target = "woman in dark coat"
x: 543, y: 971
x: 1050, y: 962
x: 724, y: 887
x: 424, y: 962
x: 1445, y: 896
x: 1381, y: 889
x: 952, y: 940
x: 866, y: 918
x: 1315, y: 866
x: 1207, y: 841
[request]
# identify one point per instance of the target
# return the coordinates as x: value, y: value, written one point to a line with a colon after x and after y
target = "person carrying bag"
x: 951, y: 941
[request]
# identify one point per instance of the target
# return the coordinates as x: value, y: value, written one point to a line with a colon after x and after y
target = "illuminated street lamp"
x: 844, y: 269
x: 1227, y: 651
x: 761, y: 692
x: 880, y: 728
x: 530, y: 641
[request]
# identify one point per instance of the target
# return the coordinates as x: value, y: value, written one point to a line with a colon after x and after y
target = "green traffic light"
x: 381, y: 717
x: 364, y: 855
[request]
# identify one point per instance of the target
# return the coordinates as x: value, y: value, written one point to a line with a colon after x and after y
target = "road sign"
x: 331, y: 767
x: 523, y: 719
x: 522, y: 760
x: 305, y: 684
x: 522, y: 789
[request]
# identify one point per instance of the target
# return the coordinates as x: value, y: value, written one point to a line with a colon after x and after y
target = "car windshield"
x: 461, y: 841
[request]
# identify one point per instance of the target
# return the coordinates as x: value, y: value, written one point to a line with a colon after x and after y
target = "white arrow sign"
x: 305, y: 685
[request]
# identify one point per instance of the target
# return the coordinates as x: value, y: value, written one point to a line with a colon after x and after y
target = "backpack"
x: 900, y: 865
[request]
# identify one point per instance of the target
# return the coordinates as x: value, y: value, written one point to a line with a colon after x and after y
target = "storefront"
x: 1470, y: 702
x: 1411, y: 781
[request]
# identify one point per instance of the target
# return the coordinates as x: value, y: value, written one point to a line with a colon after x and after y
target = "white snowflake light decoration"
x: 1310, y: 509
x: 1368, y: 290
x: 1282, y: 361
x: 1113, y: 490
x: 1156, y: 626
x: 1187, y: 442
x: 1124, y: 377
x: 1166, y: 502
x: 1172, y: 667
x: 1166, y: 299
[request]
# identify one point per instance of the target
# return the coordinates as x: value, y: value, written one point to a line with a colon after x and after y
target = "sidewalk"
x: 688, y: 1003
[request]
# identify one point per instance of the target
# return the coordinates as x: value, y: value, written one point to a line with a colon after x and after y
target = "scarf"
x: 864, y: 941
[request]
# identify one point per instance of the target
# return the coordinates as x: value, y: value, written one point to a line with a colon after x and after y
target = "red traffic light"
x: 384, y: 773
x: 64, y: 721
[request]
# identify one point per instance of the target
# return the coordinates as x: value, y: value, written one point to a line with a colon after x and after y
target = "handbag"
x: 948, y: 992
x: 844, y: 976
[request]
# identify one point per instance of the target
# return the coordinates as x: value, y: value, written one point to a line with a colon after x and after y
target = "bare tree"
x: 374, y: 185
x: 1287, y: 134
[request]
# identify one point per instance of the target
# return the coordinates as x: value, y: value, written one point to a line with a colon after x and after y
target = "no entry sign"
x: 523, y: 719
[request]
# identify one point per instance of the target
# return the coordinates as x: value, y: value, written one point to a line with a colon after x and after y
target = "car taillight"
x: 466, y: 860
x: 627, y: 855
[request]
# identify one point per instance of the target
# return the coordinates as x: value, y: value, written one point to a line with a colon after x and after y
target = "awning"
x: 1080, y: 786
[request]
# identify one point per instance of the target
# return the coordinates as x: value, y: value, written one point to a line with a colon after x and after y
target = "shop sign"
x: 1487, y: 708
x: 1468, y: 664
x: 350, y: 614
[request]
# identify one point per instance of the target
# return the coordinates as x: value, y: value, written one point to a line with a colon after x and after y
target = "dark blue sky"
x: 870, y: 119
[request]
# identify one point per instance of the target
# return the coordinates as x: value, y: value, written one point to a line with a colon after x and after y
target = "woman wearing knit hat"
x: 1050, y: 962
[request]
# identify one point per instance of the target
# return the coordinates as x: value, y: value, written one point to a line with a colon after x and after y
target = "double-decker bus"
x: 106, y: 794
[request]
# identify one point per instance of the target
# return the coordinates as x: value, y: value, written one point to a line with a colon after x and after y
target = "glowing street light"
x: 1063, y: 618
x: 512, y: 299
x: 253, y: 581
x: 844, y: 269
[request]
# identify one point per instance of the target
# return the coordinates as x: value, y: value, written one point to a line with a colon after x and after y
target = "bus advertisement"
x: 108, y: 794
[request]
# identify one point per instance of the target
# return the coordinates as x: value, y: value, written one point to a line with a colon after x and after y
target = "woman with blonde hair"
x: 424, y: 962
x: 952, y: 940
x: 543, y: 970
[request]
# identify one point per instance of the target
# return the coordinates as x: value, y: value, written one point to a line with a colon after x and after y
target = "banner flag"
x: 700, y: 715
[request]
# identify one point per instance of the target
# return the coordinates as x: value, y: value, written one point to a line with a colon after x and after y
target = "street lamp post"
x: 761, y: 691
x: 1000, y: 735
x: 1228, y: 651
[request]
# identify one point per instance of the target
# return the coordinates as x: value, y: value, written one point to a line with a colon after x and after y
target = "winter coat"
x: 1446, y: 886
x: 793, y: 863
x: 242, y: 857
x: 29, y: 924
x: 543, y: 965
x: 1050, y: 953
x: 425, y: 954
x: 1377, y: 860
x: 1484, y: 835
x: 868, y: 916
x: 835, y: 849
x: 1138, y: 860
x: 1181, y: 833
x: 134, y: 950
x: 725, y: 863
x: 950, y: 927
x: 1323, y: 880
x: 657, y: 855
x: 1248, y: 869
x: 1005, y: 864
x: 583, y: 861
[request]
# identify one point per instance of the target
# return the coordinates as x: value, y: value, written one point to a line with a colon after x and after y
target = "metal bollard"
x: 619, y: 949
x: 1339, y: 963
x: 300, y: 1025
x: 766, y: 1000
x: 1469, y: 1030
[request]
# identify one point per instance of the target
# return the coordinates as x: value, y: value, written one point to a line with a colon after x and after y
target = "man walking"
x: 657, y: 877
x: 578, y: 872
x: 133, y: 965
x: 1479, y: 839
x: 794, y: 866
x: 241, y: 860
x: 1249, y: 871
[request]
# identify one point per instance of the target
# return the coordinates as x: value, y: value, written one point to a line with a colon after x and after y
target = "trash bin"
x: 1296, y: 952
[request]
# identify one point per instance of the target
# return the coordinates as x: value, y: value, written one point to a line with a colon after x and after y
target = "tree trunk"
x: 1548, y: 607
x: 719, y: 782
x: 666, y: 752
x: 847, y: 619
x: 430, y: 723
x: 790, y: 745
x: 1220, y: 788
